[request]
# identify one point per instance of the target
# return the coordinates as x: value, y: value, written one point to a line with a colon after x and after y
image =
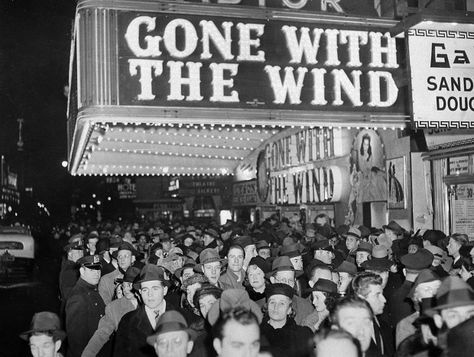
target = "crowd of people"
x: 279, y: 289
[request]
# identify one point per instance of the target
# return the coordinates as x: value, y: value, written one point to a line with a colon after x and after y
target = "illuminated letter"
x: 304, y: 46
x: 246, y: 43
x: 331, y: 38
x: 295, y: 4
x: 289, y: 87
x: 334, y: 4
x: 390, y: 86
x: 132, y: 36
x: 318, y: 86
x: 352, y: 89
x: 177, y: 80
x: 377, y: 50
x: 145, y: 75
x: 355, y: 39
x: 190, y: 38
x: 219, y: 83
x: 223, y: 43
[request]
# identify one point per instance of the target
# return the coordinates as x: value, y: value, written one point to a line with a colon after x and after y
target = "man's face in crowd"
x: 124, y: 259
x: 376, y: 299
x: 250, y: 251
x: 361, y: 257
x: 235, y: 259
x: 264, y: 253
x: 42, y: 345
x: 212, y: 271
x: 91, y: 244
x: 297, y: 262
x: 75, y: 254
x: 207, y: 239
x: 91, y: 276
x: 357, y: 321
x: 351, y: 243
x: 256, y: 277
x: 285, y: 277
x: 153, y: 293
x: 173, y: 344
x: 325, y: 256
x: 279, y: 306
x: 453, y: 247
x: 331, y: 347
x: 205, y: 303
x: 187, y: 272
x: 238, y: 340
x: 142, y: 241
x: 127, y: 290
x: 454, y: 316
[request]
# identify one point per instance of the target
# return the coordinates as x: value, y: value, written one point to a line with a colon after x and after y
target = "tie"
x: 378, y: 336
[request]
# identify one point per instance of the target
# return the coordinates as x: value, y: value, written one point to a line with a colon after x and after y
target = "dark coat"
x: 400, y: 304
x: 133, y: 329
x: 84, y: 308
x: 386, y: 333
x: 290, y: 340
x: 68, y: 277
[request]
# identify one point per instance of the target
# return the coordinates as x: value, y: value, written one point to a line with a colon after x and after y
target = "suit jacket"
x: 228, y: 280
x: 400, y: 304
x: 107, y: 285
x: 108, y: 324
x: 383, y: 331
x: 133, y: 329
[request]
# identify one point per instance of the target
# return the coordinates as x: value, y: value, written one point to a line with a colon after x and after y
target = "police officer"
x: 84, y: 307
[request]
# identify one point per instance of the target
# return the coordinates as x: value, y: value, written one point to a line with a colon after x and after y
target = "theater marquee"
x: 203, y: 61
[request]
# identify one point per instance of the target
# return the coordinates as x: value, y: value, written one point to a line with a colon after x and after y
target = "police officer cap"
x: 420, y: 260
x: 90, y: 261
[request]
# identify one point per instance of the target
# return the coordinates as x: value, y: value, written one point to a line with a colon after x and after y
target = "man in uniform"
x: 84, y: 307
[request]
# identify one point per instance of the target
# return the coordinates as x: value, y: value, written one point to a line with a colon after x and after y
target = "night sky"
x: 35, y: 41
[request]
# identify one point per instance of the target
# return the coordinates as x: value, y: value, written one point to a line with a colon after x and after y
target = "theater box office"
x: 167, y: 88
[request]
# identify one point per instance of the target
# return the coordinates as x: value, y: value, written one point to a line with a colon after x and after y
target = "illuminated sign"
x: 359, y: 7
x: 244, y: 193
x: 188, y: 60
x: 304, y: 167
x: 442, y: 76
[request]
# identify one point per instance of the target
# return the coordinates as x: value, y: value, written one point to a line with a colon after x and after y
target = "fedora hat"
x: 170, y: 321
x: 211, y: 232
x: 394, y: 226
x: 324, y: 285
x: 283, y: 263
x: 347, y: 267
x: 291, y: 250
x: 364, y: 247
x: 231, y: 298
x: 453, y: 292
x: 262, y: 244
x: 208, y: 255
x: 425, y: 276
x: 379, y: 260
x: 125, y: 246
x: 354, y: 232
x: 47, y: 322
x: 151, y: 272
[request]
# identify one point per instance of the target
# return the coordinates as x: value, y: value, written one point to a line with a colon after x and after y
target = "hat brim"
x: 298, y: 273
x: 151, y: 340
x: 57, y: 334
x: 377, y: 264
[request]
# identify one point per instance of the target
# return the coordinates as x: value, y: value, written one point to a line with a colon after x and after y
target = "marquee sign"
x: 209, y: 61
x: 441, y: 60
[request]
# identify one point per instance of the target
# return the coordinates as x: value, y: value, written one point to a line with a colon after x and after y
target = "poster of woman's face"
x: 367, y: 152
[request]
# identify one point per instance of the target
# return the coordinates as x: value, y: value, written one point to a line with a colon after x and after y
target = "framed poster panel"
x: 396, y: 183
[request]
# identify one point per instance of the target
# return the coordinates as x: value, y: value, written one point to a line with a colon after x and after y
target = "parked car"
x: 17, y: 252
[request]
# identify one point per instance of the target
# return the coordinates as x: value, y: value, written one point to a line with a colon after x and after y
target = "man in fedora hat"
x: 353, y: 237
x: 210, y: 264
x: 137, y: 325
x: 45, y: 335
x: 284, y: 272
x: 84, y: 307
x: 125, y: 256
x: 114, y: 311
x: 454, y: 303
x: 172, y: 337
